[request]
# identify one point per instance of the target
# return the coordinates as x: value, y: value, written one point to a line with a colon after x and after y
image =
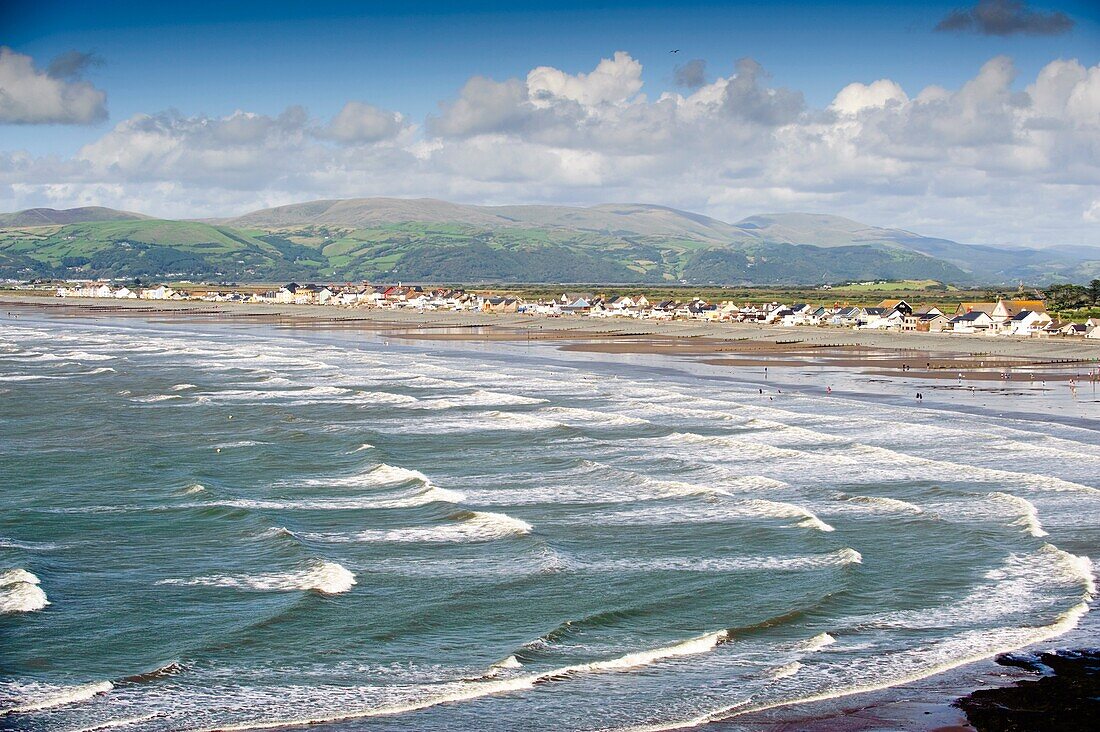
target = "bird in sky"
x: 675, y: 50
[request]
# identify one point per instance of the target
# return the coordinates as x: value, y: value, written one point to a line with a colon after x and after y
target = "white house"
x: 160, y: 292
x: 1025, y: 323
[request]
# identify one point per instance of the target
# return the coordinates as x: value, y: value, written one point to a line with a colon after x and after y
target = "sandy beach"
x: 933, y: 351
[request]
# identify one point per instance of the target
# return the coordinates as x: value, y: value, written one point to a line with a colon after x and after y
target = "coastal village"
x: 1013, y: 318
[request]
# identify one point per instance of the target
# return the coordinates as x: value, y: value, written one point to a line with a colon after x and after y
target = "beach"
x: 411, y: 502
x: 703, y: 337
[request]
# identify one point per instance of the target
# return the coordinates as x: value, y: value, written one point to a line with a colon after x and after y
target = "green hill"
x: 427, y: 240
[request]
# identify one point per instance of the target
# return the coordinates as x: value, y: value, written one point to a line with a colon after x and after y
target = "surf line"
x: 1064, y: 623
x: 466, y: 690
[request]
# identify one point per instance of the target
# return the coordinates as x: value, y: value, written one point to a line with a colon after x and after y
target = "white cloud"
x: 359, y: 123
x: 856, y: 97
x: 613, y: 81
x: 991, y: 161
x: 31, y: 96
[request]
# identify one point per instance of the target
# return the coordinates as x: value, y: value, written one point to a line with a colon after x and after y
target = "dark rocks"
x: 1066, y: 698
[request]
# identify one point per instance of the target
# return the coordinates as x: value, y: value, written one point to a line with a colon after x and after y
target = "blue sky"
x: 215, y: 57
x: 209, y: 59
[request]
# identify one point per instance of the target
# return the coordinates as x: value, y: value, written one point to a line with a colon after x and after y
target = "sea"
x: 214, y: 526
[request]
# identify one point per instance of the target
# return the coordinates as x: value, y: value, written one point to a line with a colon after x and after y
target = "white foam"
x: 30, y: 546
x: 592, y: 417
x: 422, y: 496
x: 489, y: 685
x: 59, y: 697
x: 153, y: 398
x: 819, y: 641
x: 326, y: 577
x: 364, y: 446
x: 381, y: 474
x: 183, y: 387
x: 238, y: 443
x: 461, y: 527
x: 1029, y: 515
x: 839, y: 558
x: 508, y: 663
x: 515, y: 421
x: 788, y: 669
x: 20, y: 593
x: 194, y: 488
x: 887, y: 505
x: 718, y: 512
x: 116, y: 723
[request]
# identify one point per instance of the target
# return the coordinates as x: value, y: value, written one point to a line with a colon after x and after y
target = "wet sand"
x: 758, y: 343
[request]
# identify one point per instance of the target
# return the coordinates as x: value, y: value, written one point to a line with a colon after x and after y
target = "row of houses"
x: 1021, y: 318
x: 102, y: 290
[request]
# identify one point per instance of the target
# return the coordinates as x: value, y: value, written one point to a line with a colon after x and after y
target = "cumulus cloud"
x: 691, y: 75
x: 1005, y: 18
x: 359, y: 123
x: 613, y: 81
x: 29, y: 95
x: 993, y: 160
x: 856, y: 97
x: 746, y: 97
x: 483, y: 106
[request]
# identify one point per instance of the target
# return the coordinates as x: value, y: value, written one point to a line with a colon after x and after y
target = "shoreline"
x: 925, y: 704
x: 611, y: 335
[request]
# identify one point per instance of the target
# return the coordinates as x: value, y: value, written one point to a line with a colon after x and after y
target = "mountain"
x: 430, y: 240
x: 52, y: 216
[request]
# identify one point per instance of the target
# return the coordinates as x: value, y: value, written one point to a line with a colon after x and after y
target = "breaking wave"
x: 1029, y: 515
x: 463, y: 526
x: 328, y: 578
x: 488, y: 685
x: 20, y: 593
x: 59, y: 697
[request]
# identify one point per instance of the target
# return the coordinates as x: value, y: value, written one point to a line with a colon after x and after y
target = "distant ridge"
x: 61, y: 217
x: 610, y: 218
x: 429, y: 240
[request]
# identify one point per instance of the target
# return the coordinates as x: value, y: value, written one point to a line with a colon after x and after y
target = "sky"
x: 975, y: 120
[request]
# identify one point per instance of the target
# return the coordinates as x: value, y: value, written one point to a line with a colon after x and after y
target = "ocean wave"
x: 20, y: 593
x: 518, y: 421
x: 887, y: 505
x: 839, y: 558
x: 1029, y: 515
x: 194, y: 488
x: 478, y: 398
x: 787, y: 669
x: 171, y: 668
x: 326, y: 577
x: 378, y: 475
x: 29, y: 546
x: 153, y: 398
x: 116, y: 723
x: 461, y: 527
x: 719, y: 512
x: 423, y: 495
x: 386, y: 397
x: 238, y: 443
x: 592, y: 417
x: 819, y: 641
x: 487, y: 685
x: 183, y: 387
x: 94, y: 372
x: 59, y: 696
